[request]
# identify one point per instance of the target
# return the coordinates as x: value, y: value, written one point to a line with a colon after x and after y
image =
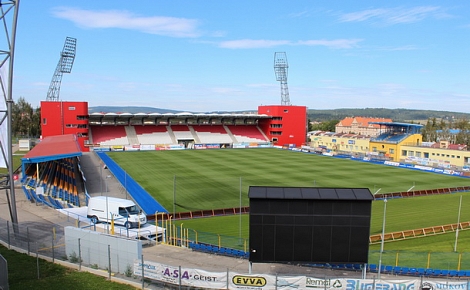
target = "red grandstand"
x: 272, y: 125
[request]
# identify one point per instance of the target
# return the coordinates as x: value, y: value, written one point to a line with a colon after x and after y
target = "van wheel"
x: 127, y: 225
x: 94, y: 220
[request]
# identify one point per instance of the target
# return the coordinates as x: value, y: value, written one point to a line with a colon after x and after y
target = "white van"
x: 123, y: 211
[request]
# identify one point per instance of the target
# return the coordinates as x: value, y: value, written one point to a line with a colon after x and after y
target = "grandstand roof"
x: 53, y: 148
x: 267, y: 192
x: 156, y: 118
x: 398, y: 124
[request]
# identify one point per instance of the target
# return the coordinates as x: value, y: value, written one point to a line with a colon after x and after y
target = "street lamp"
x: 383, y: 239
x: 107, y: 213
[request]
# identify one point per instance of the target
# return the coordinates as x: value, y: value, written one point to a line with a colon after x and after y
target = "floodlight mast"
x: 280, y: 69
x: 8, y: 12
x: 67, y: 56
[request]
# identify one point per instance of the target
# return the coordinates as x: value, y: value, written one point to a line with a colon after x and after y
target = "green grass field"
x: 191, y: 180
x: 212, y: 179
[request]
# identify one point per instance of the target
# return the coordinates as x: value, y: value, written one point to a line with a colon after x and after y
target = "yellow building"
x: 403, y: 144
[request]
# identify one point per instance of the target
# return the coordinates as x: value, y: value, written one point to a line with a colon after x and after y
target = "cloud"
x: 159, y: 25
x: 391, y: 16
x: 263, y: 43
x: 337, y: 43
x: 252, y: 43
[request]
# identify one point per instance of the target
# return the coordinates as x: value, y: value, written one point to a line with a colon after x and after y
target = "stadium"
x: 211, y: 172
x: 145, y: 153
x: 206, y: 170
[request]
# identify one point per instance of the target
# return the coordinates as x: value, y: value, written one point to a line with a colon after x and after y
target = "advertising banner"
x: 224, y: 280
x: 200, y: 146
x: 189, y: 277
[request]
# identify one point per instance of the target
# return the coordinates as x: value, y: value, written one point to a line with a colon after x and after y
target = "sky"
x: 204, y: 56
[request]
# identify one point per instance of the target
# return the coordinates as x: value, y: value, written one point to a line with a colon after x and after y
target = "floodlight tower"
x: 280, y: 69
x: 67, y: 56
x: 9, y: 17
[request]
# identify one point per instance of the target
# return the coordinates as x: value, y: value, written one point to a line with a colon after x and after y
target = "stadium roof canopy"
x: 401, y: 127
x: 398, y: 124
x: 172, y: 118
x: 53, y: 148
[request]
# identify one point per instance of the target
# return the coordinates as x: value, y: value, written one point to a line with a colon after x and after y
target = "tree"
x: 23, y: 119
x: 329, y: 126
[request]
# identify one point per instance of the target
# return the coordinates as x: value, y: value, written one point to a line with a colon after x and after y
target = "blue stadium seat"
x: 452, y: 273
x: 429, y: 272
x: 461, y: 273
x: 413, y: 272
x: 396, y: 270
x: 421, y: 271
x: 444, y: 273
x: 373, y: 268
x: 436, y: 272
x: 405, y: 271
x: 388, y: 269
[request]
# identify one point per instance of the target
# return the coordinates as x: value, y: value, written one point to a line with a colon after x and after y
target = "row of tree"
x: 26, y: 122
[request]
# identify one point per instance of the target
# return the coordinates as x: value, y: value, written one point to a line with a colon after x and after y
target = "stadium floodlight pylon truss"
x: 8, y: 17
x: 67, y: 57
x: 281, y: 69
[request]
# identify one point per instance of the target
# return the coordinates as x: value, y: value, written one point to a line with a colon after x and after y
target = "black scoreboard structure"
x: 309, y: 224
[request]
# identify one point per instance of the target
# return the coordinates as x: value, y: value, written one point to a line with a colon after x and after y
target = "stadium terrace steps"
x: 109, y: 135
x: 171, y: 134
x: 429, y: 231
x: 131, y: 135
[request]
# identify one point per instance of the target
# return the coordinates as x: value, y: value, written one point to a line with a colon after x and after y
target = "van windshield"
x: 133, y: 209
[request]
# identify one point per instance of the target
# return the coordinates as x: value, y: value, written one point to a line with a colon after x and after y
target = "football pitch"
x: 190, y: 180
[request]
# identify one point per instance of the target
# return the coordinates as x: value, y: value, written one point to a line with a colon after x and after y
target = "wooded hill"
x: 397, y: 115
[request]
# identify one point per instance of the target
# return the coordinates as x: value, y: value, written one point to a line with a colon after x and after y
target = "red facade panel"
x: 63, y: 118
x: 288, y: 125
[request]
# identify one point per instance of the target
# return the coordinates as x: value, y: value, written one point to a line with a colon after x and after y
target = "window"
x: 71, y: 108
x: 277, y: 119
x: 418, y: 154
x: 411, y: 153
x: 426, y: 154
x: 44, y: 121
x: 404, y: 153
x: 391, y: 151
x: 286, y: 111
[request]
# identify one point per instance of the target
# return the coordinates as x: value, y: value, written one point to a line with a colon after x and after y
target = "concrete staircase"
x: 131, y: 135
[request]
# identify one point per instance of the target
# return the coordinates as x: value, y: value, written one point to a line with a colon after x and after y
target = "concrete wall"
x: 93, y: 248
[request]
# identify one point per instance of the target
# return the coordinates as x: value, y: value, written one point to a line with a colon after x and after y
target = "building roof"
x: 268, y: 192
x: 362, y: 121
x: 53, y: 148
